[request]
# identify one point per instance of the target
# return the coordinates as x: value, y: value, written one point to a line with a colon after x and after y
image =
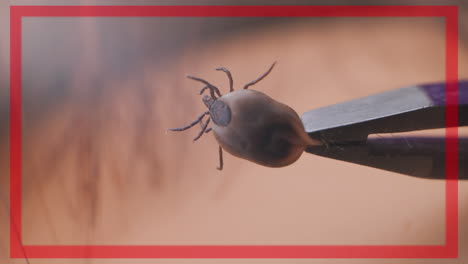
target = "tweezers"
x: 345, y: 129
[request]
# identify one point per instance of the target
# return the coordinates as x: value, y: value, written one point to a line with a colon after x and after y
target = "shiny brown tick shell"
x: 260, y: 129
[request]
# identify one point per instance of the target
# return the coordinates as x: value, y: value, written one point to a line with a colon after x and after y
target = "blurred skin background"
x: 98, y: 167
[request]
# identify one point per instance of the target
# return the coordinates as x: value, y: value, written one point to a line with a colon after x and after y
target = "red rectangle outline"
x: 449, y: 250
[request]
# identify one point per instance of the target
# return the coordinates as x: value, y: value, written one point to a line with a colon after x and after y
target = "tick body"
x: 251, y: 125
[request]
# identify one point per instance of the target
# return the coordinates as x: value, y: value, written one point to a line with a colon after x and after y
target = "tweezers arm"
x: 413, y: 156
x: 407, y: 109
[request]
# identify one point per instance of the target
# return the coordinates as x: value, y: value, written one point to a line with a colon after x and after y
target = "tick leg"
x: 208, y: 129
x: 231, y: 82
x: 191, y: 124
x: 203, y: 89
x: 203, y: 129
x: 261, y: 77
x: 203, y: 124
x: 213, y: 89
x: 220, y: 159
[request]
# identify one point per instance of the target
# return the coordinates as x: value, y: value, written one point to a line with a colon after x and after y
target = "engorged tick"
x: 251, y: 125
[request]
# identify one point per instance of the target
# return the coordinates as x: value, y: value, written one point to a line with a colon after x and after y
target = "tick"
x: 251, y: 125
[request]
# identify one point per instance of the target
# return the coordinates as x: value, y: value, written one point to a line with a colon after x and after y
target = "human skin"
x: 99, y: 169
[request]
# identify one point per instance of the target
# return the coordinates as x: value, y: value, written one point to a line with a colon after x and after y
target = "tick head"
x: 208, y: 101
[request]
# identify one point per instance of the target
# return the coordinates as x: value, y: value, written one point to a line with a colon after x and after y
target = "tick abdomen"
x: 261, y: 129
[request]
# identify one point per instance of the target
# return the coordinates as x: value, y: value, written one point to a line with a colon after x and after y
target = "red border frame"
x: 449, y: 250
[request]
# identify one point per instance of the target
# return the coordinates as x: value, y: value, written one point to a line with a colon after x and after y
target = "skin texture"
x: 99, y: 169
x: 261, y: 130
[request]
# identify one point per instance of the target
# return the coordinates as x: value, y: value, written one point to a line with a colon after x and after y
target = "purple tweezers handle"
x: 437, y: 93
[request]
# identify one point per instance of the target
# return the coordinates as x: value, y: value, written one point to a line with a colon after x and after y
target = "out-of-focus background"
x: 98, y: 167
